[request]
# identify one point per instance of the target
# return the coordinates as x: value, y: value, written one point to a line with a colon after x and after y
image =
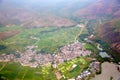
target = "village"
x: 33, y: 59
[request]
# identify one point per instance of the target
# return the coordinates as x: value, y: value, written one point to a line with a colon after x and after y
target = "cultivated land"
x: 48, y: 39
x: 14, y: 71
x: 48, y: 53
x: 45, y: 41
x: 66, y: 68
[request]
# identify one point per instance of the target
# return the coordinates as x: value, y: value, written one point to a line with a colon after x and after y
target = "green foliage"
x: 50, y: 38
x: 82, y: 37
x: 2, y: 47
x: 14, y: 71
x: 11, y: 28
x: 91, y: 47
x: 65, y: 68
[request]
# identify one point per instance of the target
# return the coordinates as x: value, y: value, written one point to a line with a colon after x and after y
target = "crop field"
x: 91, y: 47
x: 66, y: 68
x: 48, y: 39
x: 14, y: 71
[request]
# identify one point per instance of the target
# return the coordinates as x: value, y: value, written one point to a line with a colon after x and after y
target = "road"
x: 81, y: 29
x: 98, y: 46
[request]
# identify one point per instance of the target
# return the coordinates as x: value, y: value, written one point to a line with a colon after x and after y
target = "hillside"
x: 99, y: 9
x: 44, y: 13
x: 68, y: 13
x: 110, y: 32
x: 59, y: 39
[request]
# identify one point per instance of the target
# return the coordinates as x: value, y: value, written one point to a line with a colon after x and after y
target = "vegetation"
x: 2, y: 47
x: 91, y: 47
x: 51, y: 41
x: 66, y: 68
x: 50, y: 38
x: 83, y: 35
x: 14, y: 71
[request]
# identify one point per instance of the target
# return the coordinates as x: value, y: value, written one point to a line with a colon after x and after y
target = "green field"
x: 91, y: 47
x: 65, y: 68
x: 51, y: 38
x: 14, y: 71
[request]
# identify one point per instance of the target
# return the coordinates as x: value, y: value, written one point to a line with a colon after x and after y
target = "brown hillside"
x: 5, y: 35
x: 110, y: 32
x: 100, y: 8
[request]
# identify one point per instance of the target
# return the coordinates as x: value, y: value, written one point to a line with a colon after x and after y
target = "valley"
x: 59, y: 40
x: 41, y: 53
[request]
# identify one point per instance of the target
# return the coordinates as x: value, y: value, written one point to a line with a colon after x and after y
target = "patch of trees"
x: 2, y: 47
x: 82, y: 37
x: 90, y: 26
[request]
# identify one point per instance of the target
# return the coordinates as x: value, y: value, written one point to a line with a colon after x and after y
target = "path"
x: 24, y: 75
x: 35, y: 38
x: 81, y: 29
x: 3, y: 66
x: 98, y: 46
x: 58, y: 74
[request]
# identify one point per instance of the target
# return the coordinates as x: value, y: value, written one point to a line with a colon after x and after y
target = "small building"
x: 54, y: 65
x: 73, y: 67
x: 104, y: 55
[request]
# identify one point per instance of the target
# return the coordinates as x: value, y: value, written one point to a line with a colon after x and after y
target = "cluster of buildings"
x: 83, y: 75
x: 33, y: 59
x: 6, y: 58
x: 72, y: 51
x: 94, y: 68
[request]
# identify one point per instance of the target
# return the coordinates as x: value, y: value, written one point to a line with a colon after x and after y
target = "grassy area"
x: 83, y: 35
x: 91, y: 47
x: 11, y: 28
x: 14, y: 71
x: 51, y: 41
x: 65, y: 68
x: 51, y: 38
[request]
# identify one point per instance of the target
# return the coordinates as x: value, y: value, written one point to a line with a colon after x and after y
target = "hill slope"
x: 101, y: 8
x: 110, y: 32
